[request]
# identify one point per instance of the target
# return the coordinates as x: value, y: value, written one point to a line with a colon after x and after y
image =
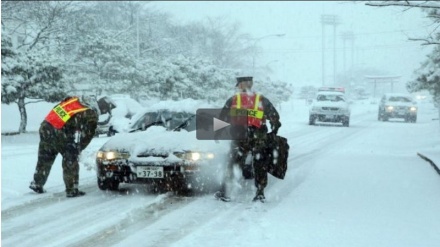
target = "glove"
x: 275, y: 127
x: 274, y: 131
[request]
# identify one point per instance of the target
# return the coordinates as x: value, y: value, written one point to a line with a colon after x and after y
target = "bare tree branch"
x: 426, y: 4
x: 425, y: 41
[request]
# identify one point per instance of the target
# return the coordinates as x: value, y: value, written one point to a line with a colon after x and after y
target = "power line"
x: 355, y: 34
x: 375, y: 47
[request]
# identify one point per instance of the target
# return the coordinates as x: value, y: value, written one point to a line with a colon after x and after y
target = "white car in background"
x: 330, y: 106
x: 397, y: 105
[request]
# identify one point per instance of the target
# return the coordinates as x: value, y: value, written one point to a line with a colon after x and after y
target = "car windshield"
x: 399, y: 99
x: 171, y: 120
x: 330, y: 97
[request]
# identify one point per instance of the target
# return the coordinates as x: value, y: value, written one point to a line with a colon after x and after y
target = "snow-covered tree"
x: 275, y: 91
x: 428, y: 76
x: 182, y: 77
x: 105, y: 63
x: 115, y: 47
x: 32, y: 76
x: 32, y: 72
x: 216, y: 39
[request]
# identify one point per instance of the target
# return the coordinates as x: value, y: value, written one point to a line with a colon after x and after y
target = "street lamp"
x: 348, y: 36
x: 267, y: 67
x: 272, y: 61
x: 255, y: 43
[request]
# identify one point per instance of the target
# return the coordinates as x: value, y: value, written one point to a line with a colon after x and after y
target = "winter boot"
x: 75, y: 193
x: 37, y: 188
x: 220, y: 195
x: 259, y: 196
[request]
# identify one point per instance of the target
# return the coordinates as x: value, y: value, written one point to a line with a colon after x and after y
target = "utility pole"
x: 333, y: 21
x: 348, y: 36
x: 323, y: 53
x: 334, y: 52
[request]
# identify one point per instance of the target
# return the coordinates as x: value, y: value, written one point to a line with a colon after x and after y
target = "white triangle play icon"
x: 219, y: 124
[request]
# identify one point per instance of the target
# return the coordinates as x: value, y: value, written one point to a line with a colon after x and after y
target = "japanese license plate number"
x: 150, y: 172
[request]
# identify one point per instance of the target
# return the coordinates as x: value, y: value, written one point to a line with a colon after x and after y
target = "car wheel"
x: 346, y: 122
x: 312, y: 120
x: 108, y: 184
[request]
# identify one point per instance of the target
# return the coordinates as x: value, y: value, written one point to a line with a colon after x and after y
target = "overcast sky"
x: 381, y: 35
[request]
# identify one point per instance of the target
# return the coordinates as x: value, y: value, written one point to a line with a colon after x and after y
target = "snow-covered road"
x: 357, y: 186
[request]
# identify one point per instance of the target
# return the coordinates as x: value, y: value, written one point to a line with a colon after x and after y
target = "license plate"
x: 150, y: 172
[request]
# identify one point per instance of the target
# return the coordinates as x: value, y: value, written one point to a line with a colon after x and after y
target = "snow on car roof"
x: 330, y: 93
x: 186, y: 105
x: 398, y: 94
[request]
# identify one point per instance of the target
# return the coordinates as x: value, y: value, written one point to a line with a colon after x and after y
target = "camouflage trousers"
x: 256, y: 146
x: 52, y: 143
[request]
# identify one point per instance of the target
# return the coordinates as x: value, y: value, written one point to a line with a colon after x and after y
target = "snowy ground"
x: 357, y: 186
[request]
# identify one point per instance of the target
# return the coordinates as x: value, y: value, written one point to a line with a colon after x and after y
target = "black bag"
x: 278, y: 148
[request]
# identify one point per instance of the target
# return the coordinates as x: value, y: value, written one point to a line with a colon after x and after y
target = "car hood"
x: 330, y: 104
x: 157, y: 141
x: 408, y: 104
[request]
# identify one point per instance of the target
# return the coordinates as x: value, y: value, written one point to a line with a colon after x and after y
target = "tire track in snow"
x: 32, y: 205
x: 85, y: 216
x: 135, y: 221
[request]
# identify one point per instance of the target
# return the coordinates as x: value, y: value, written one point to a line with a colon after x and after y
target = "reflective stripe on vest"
x: 62, y: 112
x: 254, y: 112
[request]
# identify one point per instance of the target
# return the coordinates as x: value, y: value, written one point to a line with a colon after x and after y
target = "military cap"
x: 243, y: 78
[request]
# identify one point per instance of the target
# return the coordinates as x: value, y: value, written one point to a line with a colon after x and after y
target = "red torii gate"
x: 382, y: 79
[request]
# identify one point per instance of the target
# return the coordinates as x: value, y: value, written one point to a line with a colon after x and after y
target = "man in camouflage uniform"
x: 67, y: 129
x: 259, y: 109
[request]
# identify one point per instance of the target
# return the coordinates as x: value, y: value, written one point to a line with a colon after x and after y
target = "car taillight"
x: 189, y: 168
x: 111, y: 167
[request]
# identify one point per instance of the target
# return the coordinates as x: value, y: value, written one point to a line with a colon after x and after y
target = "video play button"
x: 219, y: 124
x: 211, y: 124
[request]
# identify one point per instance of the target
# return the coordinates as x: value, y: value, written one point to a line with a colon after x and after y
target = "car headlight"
x: 112, y: 155
x: 413, y: 108
x: 390, y: 108
x: 193, y: 156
